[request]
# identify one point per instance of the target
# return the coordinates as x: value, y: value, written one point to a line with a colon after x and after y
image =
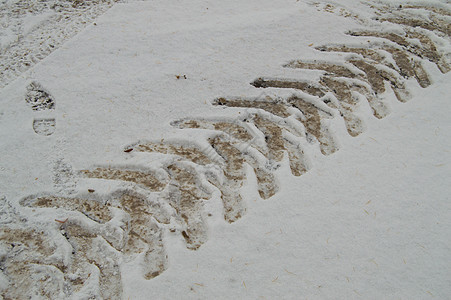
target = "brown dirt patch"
x: 271, y: 106
x: 428, y: 49
x: 138, y: 177
x: 187, y: 200
x: 376, y: 78
x: 277, y: 145
x: 189, y: 153
x: 312, y: 124
x: 329, y: 68
x: 287, y: 84
x: 91, y: 208
x: 438, y: 25
x: 365, y: 52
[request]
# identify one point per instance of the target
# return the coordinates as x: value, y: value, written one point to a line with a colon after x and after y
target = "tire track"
x: 130, y: 223
x: 54, y: 23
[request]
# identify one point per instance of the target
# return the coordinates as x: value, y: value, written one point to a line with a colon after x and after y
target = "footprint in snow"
x: 41, y: 101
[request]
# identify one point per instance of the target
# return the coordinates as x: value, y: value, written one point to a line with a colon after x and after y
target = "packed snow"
x: 136, y: 162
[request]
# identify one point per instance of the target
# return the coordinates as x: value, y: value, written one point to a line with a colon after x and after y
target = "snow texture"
x: 207, y: 149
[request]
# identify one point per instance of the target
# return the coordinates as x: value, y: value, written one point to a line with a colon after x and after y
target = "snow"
x: 371, y: 221
x: 32, y: 21
x: 139, y: 94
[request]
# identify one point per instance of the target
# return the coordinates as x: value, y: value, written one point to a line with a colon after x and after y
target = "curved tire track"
x: 130, y: 222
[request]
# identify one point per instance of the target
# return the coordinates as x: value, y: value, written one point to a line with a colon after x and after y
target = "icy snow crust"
x: 136, y: 156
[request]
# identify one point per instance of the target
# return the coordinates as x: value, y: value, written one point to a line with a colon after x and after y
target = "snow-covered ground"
x: 372, y: 222
x: 370, y: 219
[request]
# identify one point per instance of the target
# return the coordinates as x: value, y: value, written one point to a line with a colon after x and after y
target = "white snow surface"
x: 371, y: 221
